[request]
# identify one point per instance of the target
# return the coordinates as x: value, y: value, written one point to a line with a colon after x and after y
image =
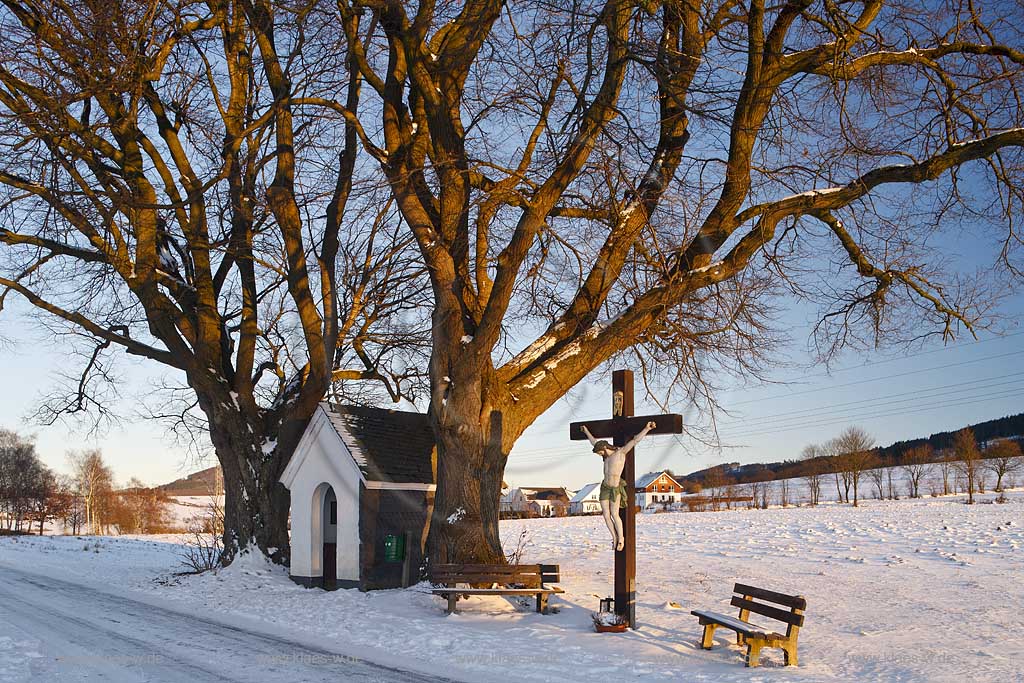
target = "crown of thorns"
x: 602, y: 445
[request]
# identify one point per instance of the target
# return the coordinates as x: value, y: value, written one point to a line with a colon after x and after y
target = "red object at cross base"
x: 621, y: 428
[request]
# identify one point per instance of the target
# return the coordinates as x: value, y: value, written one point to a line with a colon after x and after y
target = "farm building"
x: 657, y: 489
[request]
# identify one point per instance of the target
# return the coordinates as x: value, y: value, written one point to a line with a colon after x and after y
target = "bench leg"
x: 708, y: 640
x: 753, y: 652
x: 542, y: 603
x: 789, y: 654
x: 452, y: 599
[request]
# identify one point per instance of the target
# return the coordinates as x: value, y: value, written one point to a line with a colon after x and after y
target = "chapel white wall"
x: 341, y: 473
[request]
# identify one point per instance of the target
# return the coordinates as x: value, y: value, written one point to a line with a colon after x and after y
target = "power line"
x: 829, y: 373
x: 869, y: 416
x: 971, y: 385
x: 858, y: 382
x: 819, y: 413
x: 528, y: 455
x: 551, y: 454
x: 879, y: 379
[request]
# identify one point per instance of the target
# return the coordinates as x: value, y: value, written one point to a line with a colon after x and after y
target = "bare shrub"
x: 203, y: 549
x: 515, y: 556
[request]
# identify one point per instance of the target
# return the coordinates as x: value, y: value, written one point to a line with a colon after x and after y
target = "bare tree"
x: 857, y: 456
x: 877, y: 476
x: 813, y: 471
x: 140, y: 510
x: 593, y: 218
x: 94, y: 483
x: 716, y: 481
x: 171, y: 190
x: 1001, y: 459
x: 73, y: 507
x: 767, y: 493
x: 46, y: 501
x: 890, y: 478
x: 539, y: 158
x: 916, y: 463
x: 946, y: 464
x: 839, y: 463
x: 968, y: 460
x: 27, y: 486
x: 753, y: 490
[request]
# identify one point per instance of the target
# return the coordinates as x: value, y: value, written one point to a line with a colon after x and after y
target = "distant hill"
x: 1002, y: 427
x: 201, y: 483
x: 1010, y: 426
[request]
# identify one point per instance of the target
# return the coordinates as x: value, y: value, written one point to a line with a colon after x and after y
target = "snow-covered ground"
x: 907, y: 590
x: 186, y: 512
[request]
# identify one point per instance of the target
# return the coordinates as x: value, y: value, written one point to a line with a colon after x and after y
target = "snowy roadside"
x: 905, y: 590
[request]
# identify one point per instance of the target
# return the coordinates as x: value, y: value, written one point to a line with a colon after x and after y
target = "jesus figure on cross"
x: 613, y: 488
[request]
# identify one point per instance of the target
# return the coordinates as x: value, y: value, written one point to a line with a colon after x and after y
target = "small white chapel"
x: 362, y: 493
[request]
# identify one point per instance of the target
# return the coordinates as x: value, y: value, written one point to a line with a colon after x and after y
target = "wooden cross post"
x: 621, y: 428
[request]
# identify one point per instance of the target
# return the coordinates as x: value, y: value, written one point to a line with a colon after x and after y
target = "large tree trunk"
x: 473, y: 432
x: 253, y: 451
x: 464, y: 527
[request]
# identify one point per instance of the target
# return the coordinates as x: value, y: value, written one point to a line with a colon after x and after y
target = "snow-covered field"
x: 906, y: 590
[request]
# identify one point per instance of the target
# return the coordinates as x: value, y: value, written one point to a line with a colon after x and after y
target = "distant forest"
x: 1003, y: 427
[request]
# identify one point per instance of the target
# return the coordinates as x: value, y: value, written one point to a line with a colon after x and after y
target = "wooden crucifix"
x: 622, y: 427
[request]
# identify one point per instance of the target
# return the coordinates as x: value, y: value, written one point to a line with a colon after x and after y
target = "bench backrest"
x: 529, y: 575
x: 748, y: 595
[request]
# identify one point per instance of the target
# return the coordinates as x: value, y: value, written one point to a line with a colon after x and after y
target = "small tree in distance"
x: 916, y: 464
x: 94, y: 483
x: 1001, y: 459
x: 946, y: 467
x: 838, y: 466
x: 968, y: 460
x: 813, y: 471
x: 877, y: 476
x: 856, y: 447
x: 891, y: 484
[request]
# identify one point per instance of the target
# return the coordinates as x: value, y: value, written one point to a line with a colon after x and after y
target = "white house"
x: 362, y: 492
x: 585, y: 502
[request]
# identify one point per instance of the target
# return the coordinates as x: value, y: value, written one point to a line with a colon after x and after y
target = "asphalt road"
x: 53, y: 630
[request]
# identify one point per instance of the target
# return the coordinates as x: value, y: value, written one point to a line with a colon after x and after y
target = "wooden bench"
x: 508, y: 579
x: 757, y: 637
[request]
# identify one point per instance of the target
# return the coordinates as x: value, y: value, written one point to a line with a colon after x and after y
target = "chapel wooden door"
x: 330, y: 565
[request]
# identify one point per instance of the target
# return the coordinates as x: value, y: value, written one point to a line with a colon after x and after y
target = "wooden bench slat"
x: 528, y: 575
x: 528, y: 568
x: 550, y: 573
x: 496, y: 591
x: 794, y: 601
x: 489, y: 578
x: 535, y: 575
x: 768, y: 611
x: 745, y: 627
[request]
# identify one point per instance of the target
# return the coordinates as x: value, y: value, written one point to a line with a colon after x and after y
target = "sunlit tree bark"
x: 166, y: 195
x: 586, y: 178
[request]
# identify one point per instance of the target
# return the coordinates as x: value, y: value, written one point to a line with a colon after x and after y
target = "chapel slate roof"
x: 387, y: 445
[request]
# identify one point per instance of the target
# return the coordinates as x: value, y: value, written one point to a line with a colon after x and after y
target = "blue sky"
x: 892, y: 396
